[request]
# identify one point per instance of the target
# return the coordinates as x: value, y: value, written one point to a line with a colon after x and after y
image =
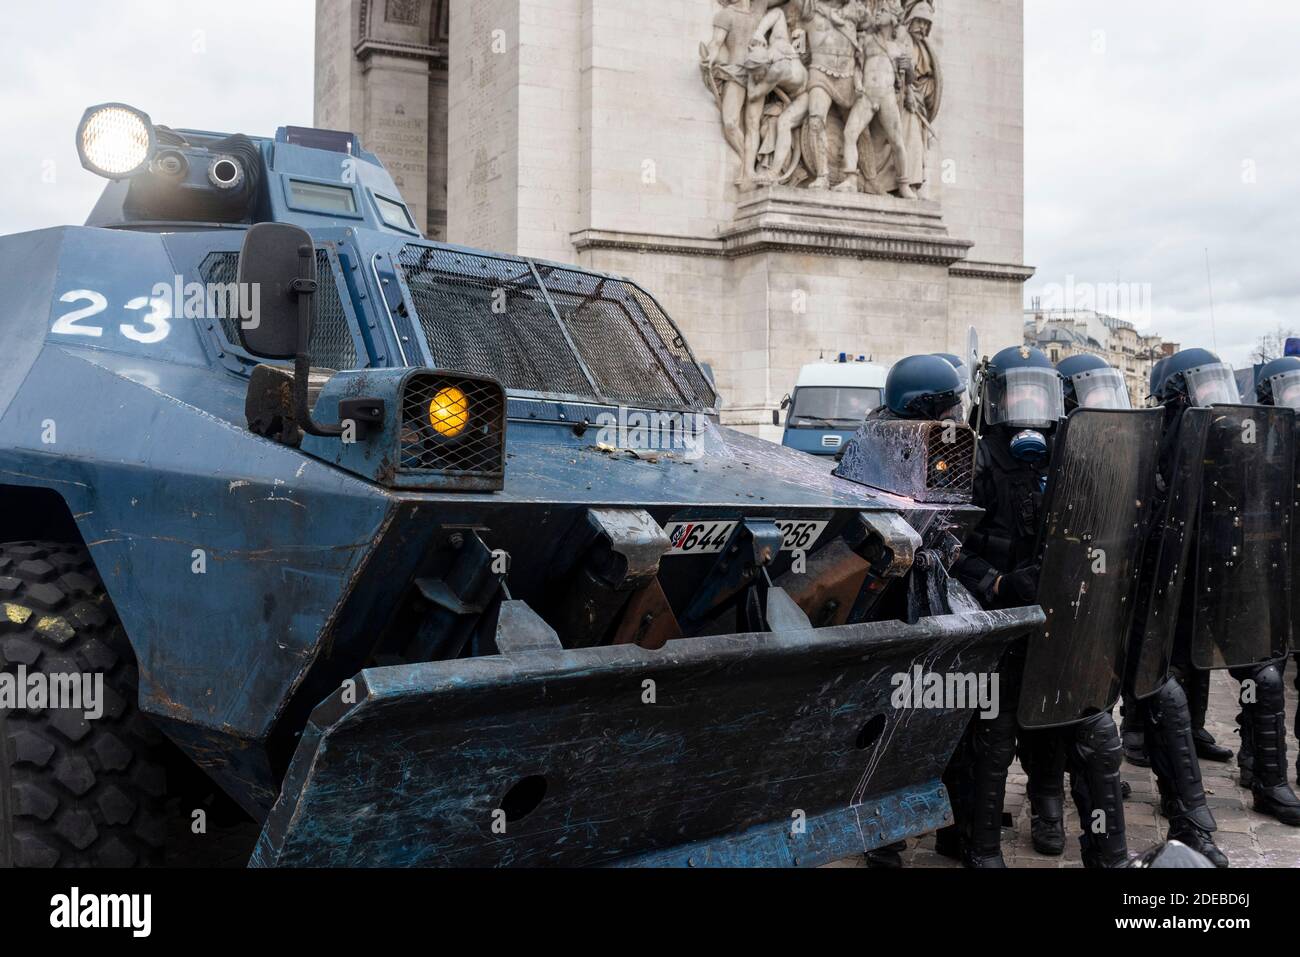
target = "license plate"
x: 709, y: 538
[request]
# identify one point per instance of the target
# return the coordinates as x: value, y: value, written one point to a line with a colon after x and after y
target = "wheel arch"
x: 37, y: 514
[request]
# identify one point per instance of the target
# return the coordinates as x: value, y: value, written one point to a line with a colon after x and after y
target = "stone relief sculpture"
x: 826, y: 94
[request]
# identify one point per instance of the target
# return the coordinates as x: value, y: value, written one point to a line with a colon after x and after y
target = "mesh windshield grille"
x: 331, y: 340
x: 488, y: 316
x: 452, y: 425
x: 951, y: 458
x: 605, y: 340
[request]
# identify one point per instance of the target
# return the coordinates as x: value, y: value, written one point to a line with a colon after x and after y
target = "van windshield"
x: 832, y: 406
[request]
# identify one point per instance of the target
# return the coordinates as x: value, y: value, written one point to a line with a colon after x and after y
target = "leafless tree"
x: 1272, y: 345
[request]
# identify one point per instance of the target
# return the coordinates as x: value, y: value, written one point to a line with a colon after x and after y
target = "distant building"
x: 1064, y: 333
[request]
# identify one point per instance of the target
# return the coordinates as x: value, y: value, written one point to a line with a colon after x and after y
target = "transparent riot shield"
x: 1169, y: 555
x: 1242, y: 607
x: 1098, y: 506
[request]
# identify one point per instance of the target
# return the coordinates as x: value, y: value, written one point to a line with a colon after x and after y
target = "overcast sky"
x: 1154, y: 132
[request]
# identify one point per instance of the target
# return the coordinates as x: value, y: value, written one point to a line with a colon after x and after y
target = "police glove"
x: 1021, y: 585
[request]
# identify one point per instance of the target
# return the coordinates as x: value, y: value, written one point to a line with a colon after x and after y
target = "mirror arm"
x: 305, y: 289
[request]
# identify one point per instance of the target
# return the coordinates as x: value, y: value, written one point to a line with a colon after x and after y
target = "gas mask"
x: 1029, y: 446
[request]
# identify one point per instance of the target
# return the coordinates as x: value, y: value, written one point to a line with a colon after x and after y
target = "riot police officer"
x: 1191, y: 378
x: 1021, y: 405
x: 917, y: 388
x: 1262, y: 720
x: 1089, y: 382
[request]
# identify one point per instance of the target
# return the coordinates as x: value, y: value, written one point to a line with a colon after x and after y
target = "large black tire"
x: 73, y: 792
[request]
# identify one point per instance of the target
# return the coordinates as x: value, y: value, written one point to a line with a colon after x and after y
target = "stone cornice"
x: 780, y: 219
x: 857, y: 244
x: 1006, y: 272
x: 369, y: 47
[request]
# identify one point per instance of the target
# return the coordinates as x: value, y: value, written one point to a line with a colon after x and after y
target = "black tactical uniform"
x: 998, y: 565
x: 1262, y: 720
x: 918, y: 388
x: 1089, y: 382
x: 1166, y: 716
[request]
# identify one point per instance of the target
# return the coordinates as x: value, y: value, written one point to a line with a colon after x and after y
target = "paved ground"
x: 1249, y: 839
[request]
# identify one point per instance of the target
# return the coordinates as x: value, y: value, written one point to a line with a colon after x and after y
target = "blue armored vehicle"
x: 418, y: 555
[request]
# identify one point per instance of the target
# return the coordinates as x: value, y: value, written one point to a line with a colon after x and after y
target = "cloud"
x: 1156, y: 132
x: 240, y: 66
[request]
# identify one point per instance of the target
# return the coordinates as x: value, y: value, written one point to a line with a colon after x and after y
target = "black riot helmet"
x: 1279, y: 383
x: 922, y: 387
x: 1022, y: 390
x: 963, y: 370
x: 1091, y: 383
x: 1157, y: 376
x: 1196, y: 377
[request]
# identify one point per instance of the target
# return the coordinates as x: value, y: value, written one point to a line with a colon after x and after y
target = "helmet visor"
x: 1286, y: 390
x: 1028, y: 398
x: 1212, y: 385
x: 1101, y: 389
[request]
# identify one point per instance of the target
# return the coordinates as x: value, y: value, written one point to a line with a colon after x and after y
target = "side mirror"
x: 785, y: 403
x: 278, y: 264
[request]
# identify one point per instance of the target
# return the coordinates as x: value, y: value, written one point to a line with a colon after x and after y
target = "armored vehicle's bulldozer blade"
x: 773, y: 749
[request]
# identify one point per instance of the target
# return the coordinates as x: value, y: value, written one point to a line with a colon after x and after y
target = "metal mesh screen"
x: 332, y: 346
x: 488, y: 316
x: 605, y: 340
x: 624, y: 353
x: 951, y: 458
x: 453, y: 426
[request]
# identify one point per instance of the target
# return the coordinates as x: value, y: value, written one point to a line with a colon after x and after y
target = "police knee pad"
x: 1269, y: 693
x: 1098, y: 741
x: 1169, y: 701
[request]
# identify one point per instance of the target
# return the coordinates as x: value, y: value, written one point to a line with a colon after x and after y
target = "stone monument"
x: 792, y: 179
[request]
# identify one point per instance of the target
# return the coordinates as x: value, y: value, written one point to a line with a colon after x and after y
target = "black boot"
x: 1134, y: 738
x: 1198, y: 702
x: 889, y: 857
x: 1208, y: 749
x: 1095, y: 758
x: 1266, y: 723
x: 1047, y: 823
x: 947, y: 842
x: 1178, y: 771
x: 1043, y: 756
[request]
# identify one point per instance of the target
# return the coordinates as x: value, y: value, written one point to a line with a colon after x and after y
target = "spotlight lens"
x: 116, y: 141
x: 449, y: 412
